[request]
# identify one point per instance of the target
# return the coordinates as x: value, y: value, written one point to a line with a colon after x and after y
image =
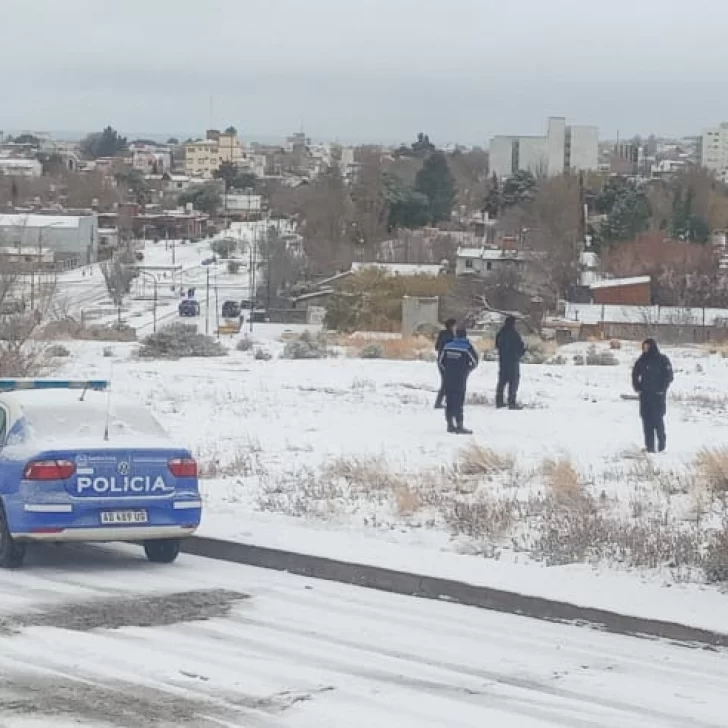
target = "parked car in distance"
x: 230, y: 309
x: 189, y: 307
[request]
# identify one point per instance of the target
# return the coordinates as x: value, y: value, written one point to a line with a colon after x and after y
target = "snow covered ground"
x: 98, y: 637
x: 346, y: 458
x: 83, y: 292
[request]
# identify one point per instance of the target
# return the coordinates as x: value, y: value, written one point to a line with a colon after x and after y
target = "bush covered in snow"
x: 233, y: 267
x: 245, y: 344
x: 596, y: 358
x: 108, y: 351
x: 178, y: 340
x: 224, y: 248
x: 372, y: 351
x: 57, y: 351
x: 307, y: 346
x: 262, y: 355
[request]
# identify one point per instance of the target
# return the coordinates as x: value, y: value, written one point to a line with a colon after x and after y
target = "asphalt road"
x: 96, y: 636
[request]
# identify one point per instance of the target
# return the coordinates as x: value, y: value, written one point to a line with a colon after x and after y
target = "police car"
x: 80, y: 463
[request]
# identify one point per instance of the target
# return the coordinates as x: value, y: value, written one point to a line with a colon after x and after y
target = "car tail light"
x: 183, y: 467
x: 49, y: 470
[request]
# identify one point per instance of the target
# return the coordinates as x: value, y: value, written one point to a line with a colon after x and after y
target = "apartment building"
x: 714, y: 150
x: 563, y: 148
x: 204, y: 157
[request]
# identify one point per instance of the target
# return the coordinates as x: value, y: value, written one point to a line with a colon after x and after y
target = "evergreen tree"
x: 629, y: 216
x: 436, y: 182
x: 518, y: 190
x: 407, y: 207
x: 685, y: 224
x: 107, y: 143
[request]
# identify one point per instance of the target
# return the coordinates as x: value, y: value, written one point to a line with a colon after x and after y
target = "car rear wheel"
x: 12, y: 553
x: 164, y: 551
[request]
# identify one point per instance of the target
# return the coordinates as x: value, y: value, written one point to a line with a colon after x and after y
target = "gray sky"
x: 356, y: 70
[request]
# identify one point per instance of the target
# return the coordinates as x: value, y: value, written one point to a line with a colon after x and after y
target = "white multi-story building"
x: 714, y: 151
x: 563, y: 148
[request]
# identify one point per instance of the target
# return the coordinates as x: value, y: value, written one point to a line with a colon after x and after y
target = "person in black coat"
x: 457, y: 359
x: 651, y: 378
x: 510, y: 350
x: 444, y: 337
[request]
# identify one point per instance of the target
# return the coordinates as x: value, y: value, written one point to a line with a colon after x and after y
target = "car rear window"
x: 88, y: 420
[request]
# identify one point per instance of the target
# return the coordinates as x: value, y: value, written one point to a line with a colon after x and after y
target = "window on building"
x: 489, y: 265
x: 468, y: 263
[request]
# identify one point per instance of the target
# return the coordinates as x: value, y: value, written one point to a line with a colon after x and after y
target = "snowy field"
x: 99, y: 638
x: 346, y: 458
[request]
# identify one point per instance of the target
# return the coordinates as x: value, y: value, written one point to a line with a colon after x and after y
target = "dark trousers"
x: 454, y: 403
x: 441, y: 392
x: 510, y: 376
x: 652, y: 412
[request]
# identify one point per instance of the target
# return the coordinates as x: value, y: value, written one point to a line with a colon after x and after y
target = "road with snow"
x: 96, y: 636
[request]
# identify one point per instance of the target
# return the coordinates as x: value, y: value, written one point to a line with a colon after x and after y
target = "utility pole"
x: 252, y: 277
x: 207, y: 313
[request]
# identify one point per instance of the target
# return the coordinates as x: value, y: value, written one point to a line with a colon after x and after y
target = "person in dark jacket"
x: 651, y: 378
x: 510, y: 350
x: 444, y: 337
x: 457, y: 359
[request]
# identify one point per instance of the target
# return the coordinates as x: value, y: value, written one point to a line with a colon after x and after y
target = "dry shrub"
x: 562, y: 479
x: 581, y: 533
x: 615, y: 344
x: 711, y: 465
x: 715, y: 561
x: 407, y: 501
x: 478, y: 460
x: 243, y: 463
x: 478, y: 399
x: 484, y: 518
x: 414, y: 348
x: 363, y: 474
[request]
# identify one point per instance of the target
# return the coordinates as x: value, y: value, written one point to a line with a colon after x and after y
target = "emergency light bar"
x: 14, y: 385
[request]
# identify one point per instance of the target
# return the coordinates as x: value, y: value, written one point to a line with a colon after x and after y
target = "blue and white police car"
x: 78, y: 463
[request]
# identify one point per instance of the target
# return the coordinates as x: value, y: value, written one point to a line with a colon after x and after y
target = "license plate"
x: 116, y: 517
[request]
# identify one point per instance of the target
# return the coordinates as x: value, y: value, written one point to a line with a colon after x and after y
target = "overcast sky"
x: 357, y: 70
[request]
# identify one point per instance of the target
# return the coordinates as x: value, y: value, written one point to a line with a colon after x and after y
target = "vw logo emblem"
x: 123, y: 468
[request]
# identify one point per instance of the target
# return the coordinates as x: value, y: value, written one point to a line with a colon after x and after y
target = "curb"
x: 429, y: 587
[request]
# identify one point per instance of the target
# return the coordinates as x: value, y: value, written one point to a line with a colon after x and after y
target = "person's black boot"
x: 515, y: 406
x: 661, y: 445
x: 462, y: 430
x: 451, y: 427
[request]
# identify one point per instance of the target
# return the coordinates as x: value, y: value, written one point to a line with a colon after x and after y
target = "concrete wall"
x: 556, y: 140
x: 501, y: 156
x: 584, y: 148
x: 533, y: 155
x: 419, y: 310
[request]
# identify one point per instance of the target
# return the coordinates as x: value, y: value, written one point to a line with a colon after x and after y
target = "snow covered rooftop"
x: 400, y: 269
x: 488, y: 253
x: 619, y: 282
x: 40, y: 221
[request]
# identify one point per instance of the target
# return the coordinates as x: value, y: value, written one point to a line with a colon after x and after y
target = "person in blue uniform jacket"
x: 444, y: 337
x: 457, y: 359
x: 651, y: 377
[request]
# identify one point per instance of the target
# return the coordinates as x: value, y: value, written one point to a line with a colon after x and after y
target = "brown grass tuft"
x: 711, y: 465
x: 478, y: 460
x: 562, y: 479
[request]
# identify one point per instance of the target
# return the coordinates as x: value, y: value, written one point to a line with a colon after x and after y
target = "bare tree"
x: 554, y: 235
x: 118, y: 274
x: 20, y: 354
